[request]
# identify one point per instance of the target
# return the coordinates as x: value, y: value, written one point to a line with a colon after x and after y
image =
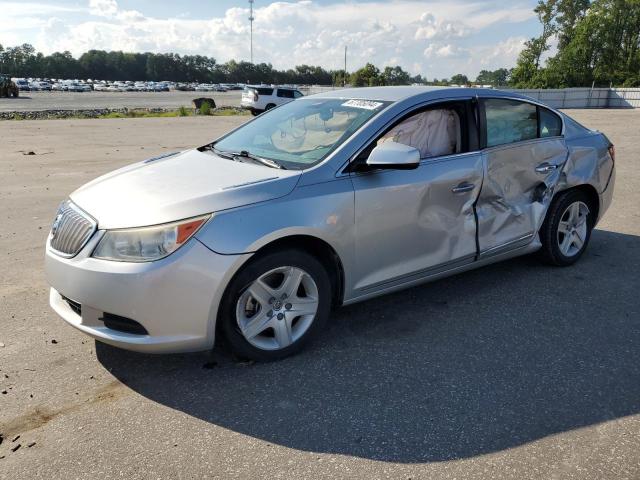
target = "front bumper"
x: 175, y: 299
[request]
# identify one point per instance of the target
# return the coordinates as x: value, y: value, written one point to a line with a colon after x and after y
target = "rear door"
x: 523, y: 157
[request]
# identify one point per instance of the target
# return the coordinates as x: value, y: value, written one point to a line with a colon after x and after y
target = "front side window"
x: 509, y: 121
x: 434, y: 132
x: 302, y: 133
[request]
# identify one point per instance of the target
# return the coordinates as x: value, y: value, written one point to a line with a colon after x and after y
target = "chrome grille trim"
x: 73, y: 231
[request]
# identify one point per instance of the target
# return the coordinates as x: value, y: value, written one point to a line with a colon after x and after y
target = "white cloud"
x: 501, y: 54
x: 429, y: 27
x: 288, y: 33
x: 103, y: 8
x: 444, y: 51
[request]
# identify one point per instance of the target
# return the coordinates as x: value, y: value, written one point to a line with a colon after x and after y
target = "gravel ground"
x: 516, y: 370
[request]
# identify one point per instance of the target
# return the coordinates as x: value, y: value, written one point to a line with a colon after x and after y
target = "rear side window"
x: 509, y: 121
x: 297, y: 94
x: 265, y: 91
x: 285, y: 93
x: 550, y: 123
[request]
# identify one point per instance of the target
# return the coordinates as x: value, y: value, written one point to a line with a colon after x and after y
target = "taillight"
x: 255, y: 96
x: 612, y: 152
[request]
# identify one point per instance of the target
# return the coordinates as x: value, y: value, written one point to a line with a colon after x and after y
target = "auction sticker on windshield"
x: 366, y: 104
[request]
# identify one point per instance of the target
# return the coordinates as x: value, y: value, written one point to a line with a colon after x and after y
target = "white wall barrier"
x: 585, y: 97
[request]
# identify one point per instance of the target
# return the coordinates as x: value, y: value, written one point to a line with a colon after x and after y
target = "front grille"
x: 71, y: 230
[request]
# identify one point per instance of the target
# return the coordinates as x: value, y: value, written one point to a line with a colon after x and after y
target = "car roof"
x: 270, y: 86
x: 396, y: 94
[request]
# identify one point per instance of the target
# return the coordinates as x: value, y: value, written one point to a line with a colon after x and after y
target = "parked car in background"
x: 22, y: 83
x: 260, y: 98
x: 326, y: 201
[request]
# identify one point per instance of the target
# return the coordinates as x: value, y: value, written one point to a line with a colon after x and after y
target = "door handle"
x: 463, y: 187
x: 546, y: 167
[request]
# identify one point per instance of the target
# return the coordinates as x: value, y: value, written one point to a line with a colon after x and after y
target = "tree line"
x: 24, y: 61
x: 598, y: 43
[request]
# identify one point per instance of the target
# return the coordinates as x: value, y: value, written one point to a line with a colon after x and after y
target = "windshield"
x: 301, y: 133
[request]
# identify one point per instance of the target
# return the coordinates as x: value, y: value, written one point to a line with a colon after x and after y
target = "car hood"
x: 176, y: 186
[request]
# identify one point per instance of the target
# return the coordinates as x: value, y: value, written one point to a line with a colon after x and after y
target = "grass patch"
x: 205, y: 108
x: 82, y: 115
x: 143, y: 114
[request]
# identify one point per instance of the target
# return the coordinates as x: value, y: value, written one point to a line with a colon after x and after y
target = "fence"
x: 585, y: 97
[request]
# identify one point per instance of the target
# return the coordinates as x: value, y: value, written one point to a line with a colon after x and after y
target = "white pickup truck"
x: 260, y: 98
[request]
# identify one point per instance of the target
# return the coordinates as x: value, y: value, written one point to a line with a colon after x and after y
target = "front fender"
x: 324, y: 210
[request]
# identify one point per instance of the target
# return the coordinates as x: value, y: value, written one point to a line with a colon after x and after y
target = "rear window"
x: 550, y: 123
x: 509, y: 121
x: 285, y: 93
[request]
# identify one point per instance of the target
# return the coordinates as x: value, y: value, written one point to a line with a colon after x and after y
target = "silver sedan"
x: 325, y: 201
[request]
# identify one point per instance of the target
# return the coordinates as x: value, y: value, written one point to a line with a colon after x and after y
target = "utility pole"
x: 251, y: 19
x: 344, y: 76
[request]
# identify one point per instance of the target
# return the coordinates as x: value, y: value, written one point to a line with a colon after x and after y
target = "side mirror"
x: 395, y: 156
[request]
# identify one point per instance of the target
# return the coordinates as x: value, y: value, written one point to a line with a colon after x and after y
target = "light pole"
x: 251, y: 19
x: 344, y: 76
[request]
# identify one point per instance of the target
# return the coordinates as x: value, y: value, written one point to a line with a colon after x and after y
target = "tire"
x: 254, y: 112
x: 269, y: 106
x: 558, y: 247
x: 274, y: 318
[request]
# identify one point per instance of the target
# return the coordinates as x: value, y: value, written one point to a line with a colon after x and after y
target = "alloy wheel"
x: 277, y: 308
x: 573, y: 229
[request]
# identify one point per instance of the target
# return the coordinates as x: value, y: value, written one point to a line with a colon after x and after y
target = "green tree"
x: 395, y: 76
x: 598, y: 42
x: 367, y: 76
x: 496, y: 78
x: 459, y: 79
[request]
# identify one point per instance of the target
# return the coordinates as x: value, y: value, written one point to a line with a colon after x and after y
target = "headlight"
x: 147, y: 243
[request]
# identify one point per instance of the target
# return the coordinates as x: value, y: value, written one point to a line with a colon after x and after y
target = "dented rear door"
x: 519, y: 179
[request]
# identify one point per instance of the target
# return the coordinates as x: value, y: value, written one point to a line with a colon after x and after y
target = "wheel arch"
x: 318, y: 248
x: 591, y: 193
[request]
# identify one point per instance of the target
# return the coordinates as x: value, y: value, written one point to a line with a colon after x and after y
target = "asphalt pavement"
x: 516, y: 371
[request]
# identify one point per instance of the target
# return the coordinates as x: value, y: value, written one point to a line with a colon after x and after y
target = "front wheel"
x: 276, y: 305
x: 566, y: 230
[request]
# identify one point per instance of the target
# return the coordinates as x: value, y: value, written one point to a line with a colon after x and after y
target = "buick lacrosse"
x: 325, y: 201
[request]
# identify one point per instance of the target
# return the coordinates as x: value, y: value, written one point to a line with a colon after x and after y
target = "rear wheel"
x: 254, y: 112
x: 276, y: 305
x: 269, y: 106
x: 566, y: 230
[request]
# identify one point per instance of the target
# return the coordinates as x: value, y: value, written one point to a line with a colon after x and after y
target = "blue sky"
x: 434, y: 38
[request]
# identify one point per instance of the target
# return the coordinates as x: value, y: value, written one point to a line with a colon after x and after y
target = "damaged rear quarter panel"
x: 588, y: 163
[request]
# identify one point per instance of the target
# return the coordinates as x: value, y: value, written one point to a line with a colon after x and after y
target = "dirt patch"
x: 41, y: 415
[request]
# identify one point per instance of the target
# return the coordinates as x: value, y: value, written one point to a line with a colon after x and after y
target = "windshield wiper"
x: 264, y: 161
x: 245, y: 154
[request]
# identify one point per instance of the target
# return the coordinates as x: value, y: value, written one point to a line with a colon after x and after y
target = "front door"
x: 410, y: 223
